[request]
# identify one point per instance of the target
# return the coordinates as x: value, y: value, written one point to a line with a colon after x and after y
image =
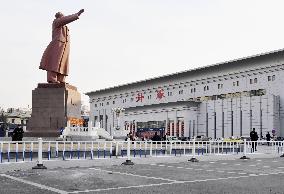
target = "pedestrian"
x: 268, y: 137
x: 253, y: 138
x: 17, y: 134
x: 61, y: 130
x: 156, y: 137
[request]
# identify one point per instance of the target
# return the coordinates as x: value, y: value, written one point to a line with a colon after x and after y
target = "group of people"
x: 133, y: 137
x: 254, y: 137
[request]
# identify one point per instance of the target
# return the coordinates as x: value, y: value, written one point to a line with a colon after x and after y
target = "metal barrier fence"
x: 12, y: 151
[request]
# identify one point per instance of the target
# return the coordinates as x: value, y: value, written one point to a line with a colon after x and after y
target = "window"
x: 236, y: 83
x: 194, y: 90
x: 180, y: 92
x: 113, y: 102
x: 255, y: 80
x: 271, y: 78
x: 170, y: 93
x: 250, y: 81
x: 206, y: 88
x: 220, y: 86
x: 107, y: 103
x: 95, y: 105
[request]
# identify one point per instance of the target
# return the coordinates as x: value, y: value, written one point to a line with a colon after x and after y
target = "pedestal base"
x: 244, y: 158
x: 53, y: 104
x: 39, y: 166
x: 193, y: 160
x: 128, y: 162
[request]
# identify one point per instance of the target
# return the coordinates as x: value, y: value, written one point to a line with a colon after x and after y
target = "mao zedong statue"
x: 55, y: 59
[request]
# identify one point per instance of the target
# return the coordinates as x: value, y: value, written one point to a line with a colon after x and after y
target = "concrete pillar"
x: 186, y: 128
x: 135, y: 126
x: 171, y: 128
x: 166, y: 126
x: 90, y: 124
x: 175, y: 126
x: 179, y: 127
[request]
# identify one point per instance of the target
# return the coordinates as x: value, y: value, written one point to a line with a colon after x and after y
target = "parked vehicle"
x: 247, y: 138
x: 233, y: 140
x: 184, y: 138
x: 172, y: 138
x: 202, y: 138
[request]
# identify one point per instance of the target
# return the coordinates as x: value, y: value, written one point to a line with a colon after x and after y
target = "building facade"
x: 220, y: 100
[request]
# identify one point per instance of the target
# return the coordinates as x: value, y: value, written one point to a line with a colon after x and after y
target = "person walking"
x: 268, y: 137
x: 156, y: 137
x: 17, y: 134
x: 254, y: 138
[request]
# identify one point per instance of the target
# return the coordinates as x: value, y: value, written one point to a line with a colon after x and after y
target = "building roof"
x: 188, y: 71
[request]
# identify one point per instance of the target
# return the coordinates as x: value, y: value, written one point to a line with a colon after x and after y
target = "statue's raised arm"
x: 55, y: 59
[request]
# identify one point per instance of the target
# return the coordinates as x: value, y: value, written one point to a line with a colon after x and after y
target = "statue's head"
x: 59, y: 15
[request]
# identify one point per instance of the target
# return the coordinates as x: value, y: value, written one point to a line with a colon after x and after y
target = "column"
x: 179, y: 127
x: 171, y: 128
x: 175, y: 126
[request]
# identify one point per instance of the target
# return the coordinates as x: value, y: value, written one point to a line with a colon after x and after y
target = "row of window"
x: 193, y: 90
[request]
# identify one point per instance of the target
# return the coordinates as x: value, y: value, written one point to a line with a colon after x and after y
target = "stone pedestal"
x: 52, y: 106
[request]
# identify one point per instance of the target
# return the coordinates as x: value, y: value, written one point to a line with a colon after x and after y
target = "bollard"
x: 39, y: 164
x: 193, y: 159
x: 116, y: 149
x: 151, y: 148
x: 145, y: 148
x: 244, y: 157
x: 282, y: 149
x: 128, y: 161
x: 1, y: 153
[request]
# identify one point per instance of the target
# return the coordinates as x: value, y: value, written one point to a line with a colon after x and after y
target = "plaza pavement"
x: 263, y: 173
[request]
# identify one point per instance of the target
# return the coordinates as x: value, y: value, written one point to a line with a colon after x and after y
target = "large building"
x: 220, y: 100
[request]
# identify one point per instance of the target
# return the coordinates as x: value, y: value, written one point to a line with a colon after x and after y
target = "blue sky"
x: 120, y: 41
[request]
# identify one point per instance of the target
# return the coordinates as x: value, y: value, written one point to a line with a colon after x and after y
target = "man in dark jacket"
x: 268, y: 137
x: 17, y: 134
x: 156, y: 137
x: 254, y: 138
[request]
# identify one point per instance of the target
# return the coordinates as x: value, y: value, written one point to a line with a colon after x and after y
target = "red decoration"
x: 160, y: 94
x: 139, y: 97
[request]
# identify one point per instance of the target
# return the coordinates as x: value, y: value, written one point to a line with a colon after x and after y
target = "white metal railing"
x: 13, y: 151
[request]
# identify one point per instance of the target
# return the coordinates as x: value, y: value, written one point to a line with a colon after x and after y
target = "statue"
x: 55, y: 59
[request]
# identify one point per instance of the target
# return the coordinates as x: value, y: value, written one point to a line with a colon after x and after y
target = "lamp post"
x: 117, y: 112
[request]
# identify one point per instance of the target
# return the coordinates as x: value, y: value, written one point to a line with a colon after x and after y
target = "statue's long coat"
x: 56, y: 56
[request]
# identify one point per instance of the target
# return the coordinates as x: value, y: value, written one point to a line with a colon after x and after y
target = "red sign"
x: 139, y: 97
x: 160, y: 94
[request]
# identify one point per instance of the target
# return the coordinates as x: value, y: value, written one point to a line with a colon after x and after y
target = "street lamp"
x: 117, y: 112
